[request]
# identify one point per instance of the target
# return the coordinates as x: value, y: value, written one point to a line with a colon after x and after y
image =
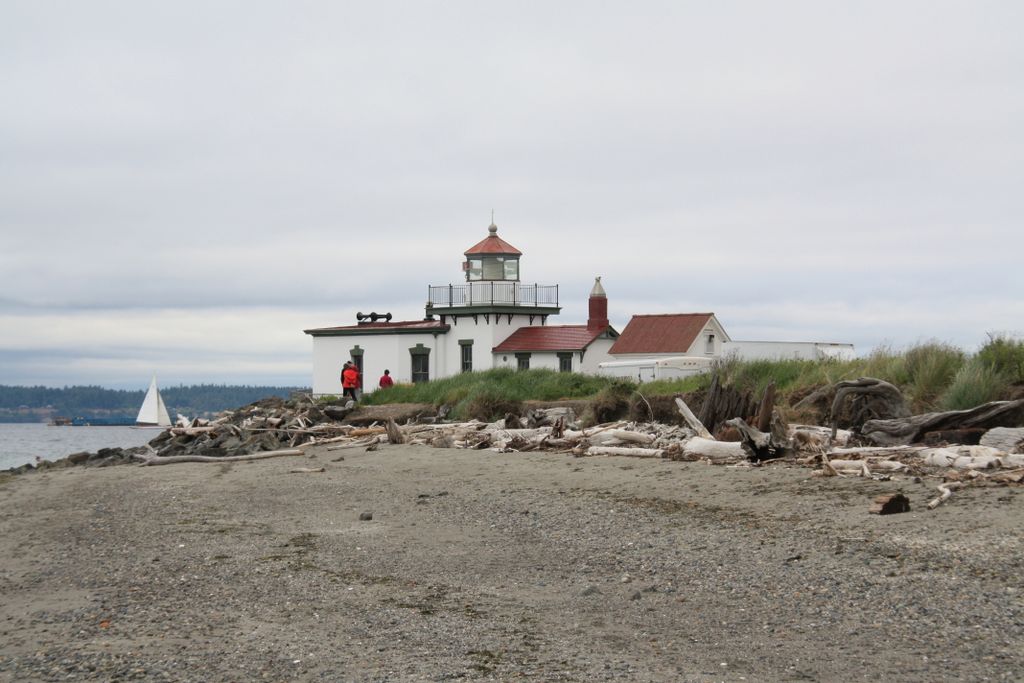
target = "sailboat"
x: 153, y: 412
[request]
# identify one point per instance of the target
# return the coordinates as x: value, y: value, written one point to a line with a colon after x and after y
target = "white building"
x: 490, y: 320
x: 780, y: 350
x: 675, y: 345
x: 670, y: 334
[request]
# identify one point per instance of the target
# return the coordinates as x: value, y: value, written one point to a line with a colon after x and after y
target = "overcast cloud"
x: 185, y: 187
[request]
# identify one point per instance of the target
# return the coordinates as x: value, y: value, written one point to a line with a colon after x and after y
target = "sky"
x: 185, y: 187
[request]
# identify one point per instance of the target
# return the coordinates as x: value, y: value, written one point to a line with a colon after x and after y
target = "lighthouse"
x: 485, y: 317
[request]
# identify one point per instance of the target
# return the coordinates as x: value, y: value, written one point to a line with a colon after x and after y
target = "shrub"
x: 930, y: 368
x: 974, y: 384
x: 1004, y: 355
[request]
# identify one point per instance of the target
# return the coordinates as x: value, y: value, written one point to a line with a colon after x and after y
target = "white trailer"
x: 649, y: 369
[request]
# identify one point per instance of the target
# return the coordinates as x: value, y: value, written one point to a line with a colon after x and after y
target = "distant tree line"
x: 34, y: 404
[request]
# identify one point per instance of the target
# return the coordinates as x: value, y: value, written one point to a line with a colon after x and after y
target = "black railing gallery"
x: 484, y: 293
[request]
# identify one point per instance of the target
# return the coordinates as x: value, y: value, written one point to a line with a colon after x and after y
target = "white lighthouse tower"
x: 489, y: 304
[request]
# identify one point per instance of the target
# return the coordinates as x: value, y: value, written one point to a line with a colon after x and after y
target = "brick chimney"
x: 598, y: 319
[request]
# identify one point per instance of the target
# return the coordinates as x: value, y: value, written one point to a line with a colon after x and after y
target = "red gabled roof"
x: 492, y: 244
x: 549, y: 338
x: 669, y: 333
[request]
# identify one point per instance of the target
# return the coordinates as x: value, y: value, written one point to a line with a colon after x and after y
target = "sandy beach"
x: 485, y: 566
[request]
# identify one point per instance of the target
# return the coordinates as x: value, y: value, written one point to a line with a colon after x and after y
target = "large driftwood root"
x: 909, y: 430
x: 871, y: 399
x: 757, y: 444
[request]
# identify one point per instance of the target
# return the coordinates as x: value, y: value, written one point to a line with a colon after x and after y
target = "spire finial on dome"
x: 493, y: 229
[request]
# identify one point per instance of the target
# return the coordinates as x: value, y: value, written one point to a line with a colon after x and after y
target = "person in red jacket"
x: 349, y: 380
x: 385, y: 380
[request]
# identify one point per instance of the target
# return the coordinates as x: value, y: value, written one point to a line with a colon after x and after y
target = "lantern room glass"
x: 493, y: 268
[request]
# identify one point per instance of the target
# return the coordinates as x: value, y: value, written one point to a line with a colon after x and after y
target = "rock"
x: 336, y: 412
x: 590, y: 590
x: 231, y: 444
x: 78, y: 458
x: 635, y: 596
x: 365, y: 516
x: 163, y: 436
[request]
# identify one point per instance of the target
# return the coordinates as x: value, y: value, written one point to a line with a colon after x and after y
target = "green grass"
x: 975, y: 383
x: 932, y: 375
x: 930, y: 369
x: 489, y: 394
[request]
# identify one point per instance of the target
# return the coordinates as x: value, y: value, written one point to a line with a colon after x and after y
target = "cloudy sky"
x: 186, y: 186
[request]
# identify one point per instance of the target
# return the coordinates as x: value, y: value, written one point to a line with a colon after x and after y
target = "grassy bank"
x: 494, y: 392
x: 932, y: 375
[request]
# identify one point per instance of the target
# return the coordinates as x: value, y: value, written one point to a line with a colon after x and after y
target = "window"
x: 420, y: 369
x: 493, y: 267
x: 565, y: 362
x: 466, y: 349
x: 511, y: 269
x: 420, y: 356
x: 709, y: 347
x: 523, y: 361
x: 475, y: 269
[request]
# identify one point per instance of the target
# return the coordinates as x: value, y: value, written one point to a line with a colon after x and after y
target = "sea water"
x: 23, y: 442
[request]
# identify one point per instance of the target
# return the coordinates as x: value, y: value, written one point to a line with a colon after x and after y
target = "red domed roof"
x: 493, y: 245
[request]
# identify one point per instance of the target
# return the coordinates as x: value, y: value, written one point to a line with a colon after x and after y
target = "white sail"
x: 153, y: 410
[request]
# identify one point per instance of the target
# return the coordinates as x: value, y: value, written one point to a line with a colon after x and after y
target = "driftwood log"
x: 148, y: 460
x: 699, y: 448
x: 1006, y: 439
x: 911, y: 429
x: 691, y: 420
x: 394, y: 432
x: 871, y: 399
x: 765, y: 411
x: 946, y: 490
x: 632, y: 452
x: 890, y: 504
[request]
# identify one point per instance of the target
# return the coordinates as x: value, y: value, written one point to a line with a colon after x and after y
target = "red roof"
x: 549, y: 338
x: 492, y: 244
x: 410, y: 325
x: 669, y: 333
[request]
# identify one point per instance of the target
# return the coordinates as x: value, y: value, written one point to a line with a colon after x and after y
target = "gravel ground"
x: 485, y: 566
